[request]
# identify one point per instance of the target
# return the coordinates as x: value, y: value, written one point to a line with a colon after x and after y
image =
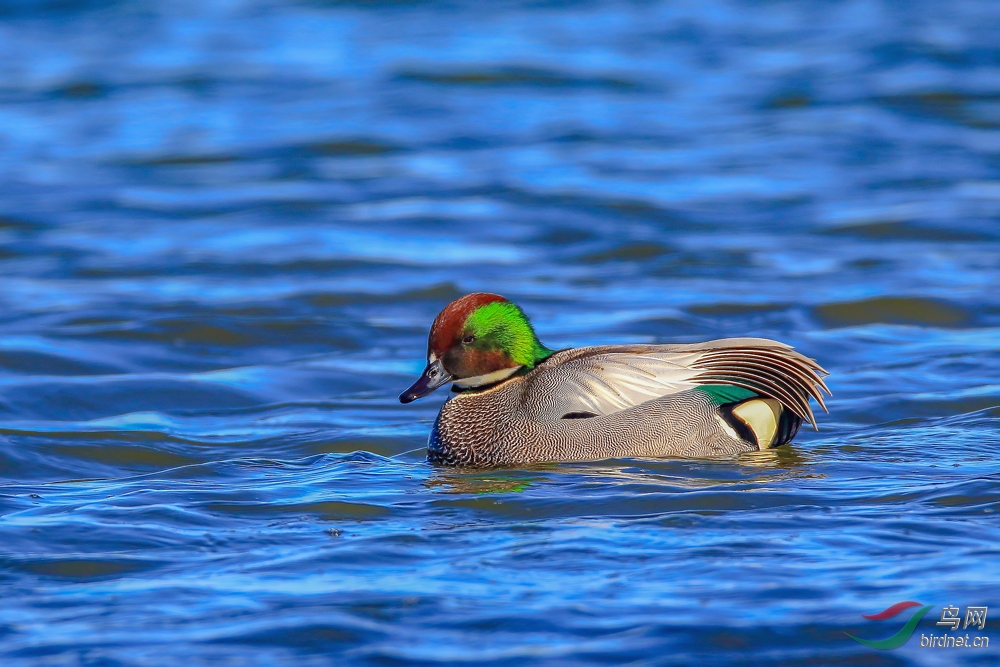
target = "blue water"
x: 225, y: 227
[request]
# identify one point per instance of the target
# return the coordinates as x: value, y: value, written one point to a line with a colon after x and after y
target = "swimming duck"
x: 519, y: 402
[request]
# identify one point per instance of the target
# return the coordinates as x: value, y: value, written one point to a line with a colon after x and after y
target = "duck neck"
x: 540, y: 354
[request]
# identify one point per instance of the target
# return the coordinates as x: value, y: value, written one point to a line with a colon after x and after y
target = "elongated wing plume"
x: 766, y: 367
x: 603, y: 380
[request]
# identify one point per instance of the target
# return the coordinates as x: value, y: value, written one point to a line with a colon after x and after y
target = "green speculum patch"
x: 726, y: 393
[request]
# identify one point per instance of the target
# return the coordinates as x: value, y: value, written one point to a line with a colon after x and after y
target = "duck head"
x: 475, y: 341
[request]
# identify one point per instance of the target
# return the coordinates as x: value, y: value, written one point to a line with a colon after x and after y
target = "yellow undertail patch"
x: 761, y: 416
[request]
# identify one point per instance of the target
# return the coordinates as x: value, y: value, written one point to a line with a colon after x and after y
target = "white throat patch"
x: 488, y: 378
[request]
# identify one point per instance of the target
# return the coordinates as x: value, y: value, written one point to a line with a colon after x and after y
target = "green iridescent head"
x: 477, y: 340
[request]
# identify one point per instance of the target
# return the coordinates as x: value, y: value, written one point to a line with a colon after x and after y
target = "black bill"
x: 433, y: 377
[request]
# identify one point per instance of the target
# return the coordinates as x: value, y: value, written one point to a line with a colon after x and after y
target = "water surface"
x: 225, y: 228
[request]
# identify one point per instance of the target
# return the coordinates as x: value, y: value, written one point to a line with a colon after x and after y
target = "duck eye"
x: 468, y: 339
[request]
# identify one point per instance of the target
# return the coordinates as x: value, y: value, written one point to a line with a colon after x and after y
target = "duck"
x: 517, y: 402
